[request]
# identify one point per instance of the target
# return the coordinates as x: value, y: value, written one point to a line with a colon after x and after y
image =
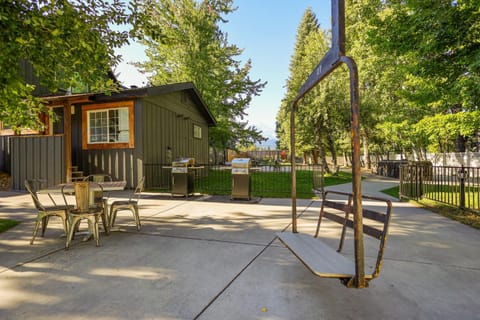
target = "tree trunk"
x: 333, y: 151
x: 315, y: 156
x: 460, y: 144
x: 346, y: 159
x: 321, y: 150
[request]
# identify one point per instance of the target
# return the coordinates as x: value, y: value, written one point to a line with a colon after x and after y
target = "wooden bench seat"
x: 319, y: 258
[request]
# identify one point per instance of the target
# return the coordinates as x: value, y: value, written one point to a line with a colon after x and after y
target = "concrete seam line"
x: 243, y: 269
x: 20, y: 264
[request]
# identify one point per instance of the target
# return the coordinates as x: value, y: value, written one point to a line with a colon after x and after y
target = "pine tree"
x: 185, y: 43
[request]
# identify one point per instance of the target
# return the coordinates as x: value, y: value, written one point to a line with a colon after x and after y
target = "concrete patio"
x: 212, y: 258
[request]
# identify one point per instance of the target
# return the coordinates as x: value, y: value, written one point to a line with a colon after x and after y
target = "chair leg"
x: 93, y: 221
x: 137, y: 217
x: 113, y: 215
x: 106, y: 217
x: 44, y: 224
x: 73, y: 225
x: 96, y: 234
x: 65, y: 224
x: 105, y: 223
x: 35, y: 230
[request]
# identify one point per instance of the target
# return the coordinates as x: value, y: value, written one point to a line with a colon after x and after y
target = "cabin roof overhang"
x: 135, y: 93
x: 145, y: 92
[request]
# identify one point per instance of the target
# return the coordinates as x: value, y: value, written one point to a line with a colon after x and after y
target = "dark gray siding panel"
x: 168, y: 130
x: 5, y: 154
x: 168, y: 134
x: 37, y: 157
x: 120, y: 164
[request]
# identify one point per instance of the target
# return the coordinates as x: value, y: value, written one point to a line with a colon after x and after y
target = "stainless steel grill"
x: 241, y: 178
x: 183, y: 176
x: 182, y: 165
x: 241, y: 166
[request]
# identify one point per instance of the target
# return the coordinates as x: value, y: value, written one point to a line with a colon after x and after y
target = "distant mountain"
x: 270, y: 143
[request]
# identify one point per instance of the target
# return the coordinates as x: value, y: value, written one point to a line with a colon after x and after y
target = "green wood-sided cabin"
x: 121, y: 135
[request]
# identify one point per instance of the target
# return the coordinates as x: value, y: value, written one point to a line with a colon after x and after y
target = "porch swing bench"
x: 317, y: 256
x: 322, y: 259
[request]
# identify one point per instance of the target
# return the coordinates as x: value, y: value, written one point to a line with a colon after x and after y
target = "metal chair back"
x: 82, y: 195
x: 137, y: 193
x: 29, y: 186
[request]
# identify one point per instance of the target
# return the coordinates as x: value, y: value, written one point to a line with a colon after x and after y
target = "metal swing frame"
x: 332, y: 60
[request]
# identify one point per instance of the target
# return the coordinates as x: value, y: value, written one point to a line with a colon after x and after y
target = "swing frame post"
x: 332, y: 60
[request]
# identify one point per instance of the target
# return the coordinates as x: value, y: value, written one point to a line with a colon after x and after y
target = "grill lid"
x: 241, y: 163
x: 183, y: 162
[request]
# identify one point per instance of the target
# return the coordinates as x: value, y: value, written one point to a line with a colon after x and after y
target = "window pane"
x: 123, y: 125
x: 97, y: 134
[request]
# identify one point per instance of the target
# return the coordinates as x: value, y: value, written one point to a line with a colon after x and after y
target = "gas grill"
x: 241, y: 184
x: 183, y: 176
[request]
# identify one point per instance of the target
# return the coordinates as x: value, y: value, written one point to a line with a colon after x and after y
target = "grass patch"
x: 393, y: 192
x: 454, y: 213
x: 269, y: 184
x: 451, y: 212
x: 340, y: 178
x: 6, y: 224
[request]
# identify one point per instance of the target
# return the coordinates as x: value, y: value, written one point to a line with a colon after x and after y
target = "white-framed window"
x: 197, y: 131
x: 108, y: 125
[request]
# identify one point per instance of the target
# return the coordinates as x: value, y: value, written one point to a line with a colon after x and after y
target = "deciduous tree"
x: 66, y: 41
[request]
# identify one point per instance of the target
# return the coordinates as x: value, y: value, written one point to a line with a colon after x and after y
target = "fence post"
x: 461, y: 175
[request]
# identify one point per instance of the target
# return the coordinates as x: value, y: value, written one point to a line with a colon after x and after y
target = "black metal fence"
x: 390, y: 168
x: 456, y: 186
x: 266, y: 180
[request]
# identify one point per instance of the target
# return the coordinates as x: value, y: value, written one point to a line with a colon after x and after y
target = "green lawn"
x: 268, y: 184
x: 393, y: 192
x: 6, y: 224
x: 454, y: 213
x: 340, y: 178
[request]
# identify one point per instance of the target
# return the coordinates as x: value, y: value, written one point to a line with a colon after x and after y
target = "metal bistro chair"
x: 45, y: 212
x: 130, y: 204
x: 101, y: 197
x: 86, y: 208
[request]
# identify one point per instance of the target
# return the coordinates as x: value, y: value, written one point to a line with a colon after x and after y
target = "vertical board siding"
x: 5, y: 154
x: 168, y: 123
x: 118, y: 163
x: 37, y: 157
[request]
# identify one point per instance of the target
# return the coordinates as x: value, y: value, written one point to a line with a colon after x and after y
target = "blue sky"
x: 266, y: 30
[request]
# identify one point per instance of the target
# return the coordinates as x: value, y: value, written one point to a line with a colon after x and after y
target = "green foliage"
x: 185, y: 43
x: 441, y: 130
x: 419, y: 72
x: 66, y: 43
x: 313, y: 118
